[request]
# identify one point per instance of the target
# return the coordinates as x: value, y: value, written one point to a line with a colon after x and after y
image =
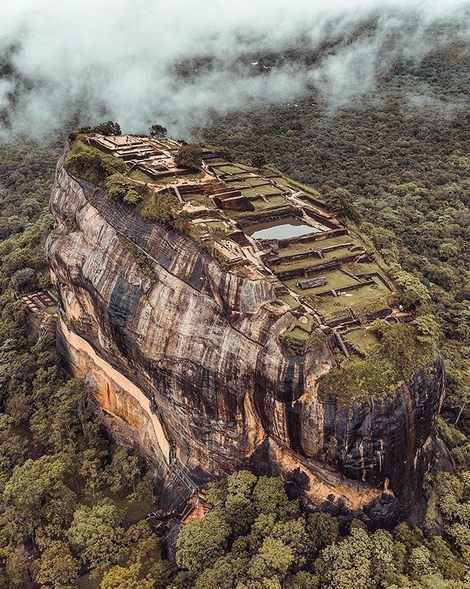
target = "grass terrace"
x: 303, y: 247
x: 218, y: 226
x: 256, y: 181
x: 302, y: 264
x: 360, y: 340
x: 246, y: 181
x: 313, y: 261
x: 229, y: 169
x: 367, y: 299
x: 337, y: 280
x: 141, y: 176
x: 289, y: 299
x: 199, y: 200
x: 268, y: 190
x: 275, y: 203
x: 248, y: 192
x: 331, y: 309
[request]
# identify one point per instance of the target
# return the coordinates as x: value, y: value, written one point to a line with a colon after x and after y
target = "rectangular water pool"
x: 282, y: 229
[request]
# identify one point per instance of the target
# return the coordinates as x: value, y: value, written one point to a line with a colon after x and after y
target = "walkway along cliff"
x: 186, y: 350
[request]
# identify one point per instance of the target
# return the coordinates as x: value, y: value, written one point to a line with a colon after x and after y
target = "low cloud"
x: 141, y: 61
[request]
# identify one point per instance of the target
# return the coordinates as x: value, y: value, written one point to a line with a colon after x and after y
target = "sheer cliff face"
x: 185, y: 359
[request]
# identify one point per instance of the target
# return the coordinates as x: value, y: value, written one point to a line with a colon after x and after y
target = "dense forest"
x: 73, y: 501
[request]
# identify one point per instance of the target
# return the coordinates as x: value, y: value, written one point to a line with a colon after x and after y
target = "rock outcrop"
x: 184, y: 358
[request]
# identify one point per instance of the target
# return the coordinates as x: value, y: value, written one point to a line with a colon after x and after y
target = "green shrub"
x: 107, y: 128
x: 120, y: 187
x: 299, y: 342
x: 160, y: 208
x: 412, y: 291
x: 132, y: 197
x: 189, y: 156
x: 91, y: 164
x: 360, y: 378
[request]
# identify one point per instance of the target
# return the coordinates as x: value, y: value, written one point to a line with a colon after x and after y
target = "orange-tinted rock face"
x: 185, y: 359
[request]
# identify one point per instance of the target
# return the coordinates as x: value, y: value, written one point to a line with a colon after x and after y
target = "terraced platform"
x: 261, y: 224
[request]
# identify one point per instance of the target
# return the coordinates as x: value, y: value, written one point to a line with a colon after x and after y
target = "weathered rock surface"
x: 185, y: 359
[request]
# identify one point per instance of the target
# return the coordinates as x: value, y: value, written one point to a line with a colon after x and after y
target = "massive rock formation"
x: 185, y: 359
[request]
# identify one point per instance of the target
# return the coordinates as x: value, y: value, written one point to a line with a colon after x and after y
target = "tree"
x: 161, y: 208
x: 412, y: 291
x: 141, y: 545
x: 340, y: 201
x: 107, y: 128
x: 269, y: 496
x: 57, y: 566
x: 96, y: 533
x: 189, y: 156
x: 201, y: 542
x: 386, y: 561
x: 17, y: 569
x: 24, y: 280
x: 120, y: 187
x: 119, y: 577
x: 92, y: 165
x: 132, y: 197
x: 348, y: 564
x: 323, y: 530
x: 31, y: 486
x: 292, y: 533
x: 239, y: 511
x: 259, y: 160
x: 225, y: 153
x: 427, y: 329
x: 420, y: 562
x: 158, y: 132
x: 303, y: 580
x: 124, y: 471
x: 225, y: 573
x: 274, y: 557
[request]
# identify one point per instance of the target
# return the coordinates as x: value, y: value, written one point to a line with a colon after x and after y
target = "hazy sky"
x: 117, y: 59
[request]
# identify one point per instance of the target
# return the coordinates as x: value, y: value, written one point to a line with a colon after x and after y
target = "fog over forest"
x: 144, y: 61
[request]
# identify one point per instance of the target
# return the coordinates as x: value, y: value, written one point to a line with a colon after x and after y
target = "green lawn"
x: 289, y: 299
x: 249, y: 193
x: 336, y: 254
x: 199, y: 199
x: 336, y: 281
x: 300, y: 248
x: 361, y: 338
x: 229, y: 169
x: 267, y: 189
x: 360, y: 299
x: 366, y: 268
x: 190, y: 175
x: 255, y: 181
x: 297, y: 264
x: 237, y: 183
x: 274, y: 202
x: 332, y: 308
x: 312, y: 261
x: 141, y: 176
